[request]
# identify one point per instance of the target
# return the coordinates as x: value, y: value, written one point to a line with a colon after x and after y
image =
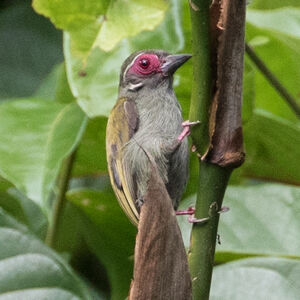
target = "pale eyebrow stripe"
x: 130, y: 65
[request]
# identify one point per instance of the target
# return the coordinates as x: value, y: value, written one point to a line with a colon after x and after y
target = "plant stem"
x: 273, y: 80
x: 59, y: 200
x: 219, y: 65
x: 211, y: 188
x: 199, y: 110
x: 203, y: 239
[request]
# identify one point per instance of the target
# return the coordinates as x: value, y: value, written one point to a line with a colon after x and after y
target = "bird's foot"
x: 193, y: 220
x: 191, y: 211
x: 186, y: 129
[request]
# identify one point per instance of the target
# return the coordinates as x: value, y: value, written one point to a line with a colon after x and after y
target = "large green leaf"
x: 264, y: 219
x: 35, y: 137
x: 124, y: 19
x: 101, y: 24
x: 284, y: 20
x: 109, y: 235
x: 279, y: 30
x: 29, y: 47
x: 94, y: 82
x: 248, y: 92
x: 30, y: 270
x: 271, y: 4
x: 24, y: 210
x: 257, y: 278
x: 55, y: 86
x: 272, y: 148
x: 91, y: 155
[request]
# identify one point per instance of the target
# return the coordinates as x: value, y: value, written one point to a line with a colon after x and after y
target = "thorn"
x: 223, y: 209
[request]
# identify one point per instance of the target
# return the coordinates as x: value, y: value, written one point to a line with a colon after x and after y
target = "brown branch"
x: 226, y: 149
x: 161, y: 268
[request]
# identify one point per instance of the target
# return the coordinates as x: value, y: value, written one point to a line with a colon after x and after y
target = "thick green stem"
x: 273, y: 80
x: 199, y: 10
x: 223, y: 115
x: 59, y: 201
x: 211, y: 188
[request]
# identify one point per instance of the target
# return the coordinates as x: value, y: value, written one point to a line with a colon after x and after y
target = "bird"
x: 147, y: 121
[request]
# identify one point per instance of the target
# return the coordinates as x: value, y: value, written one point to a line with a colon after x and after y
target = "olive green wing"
x: 121, y: 126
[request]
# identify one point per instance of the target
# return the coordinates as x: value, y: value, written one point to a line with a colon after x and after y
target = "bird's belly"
x: 158, y: 129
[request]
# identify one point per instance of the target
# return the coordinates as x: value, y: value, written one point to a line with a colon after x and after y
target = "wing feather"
x: 121, y: 126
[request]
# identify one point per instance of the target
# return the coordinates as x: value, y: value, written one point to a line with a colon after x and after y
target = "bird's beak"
x: 173, y: 62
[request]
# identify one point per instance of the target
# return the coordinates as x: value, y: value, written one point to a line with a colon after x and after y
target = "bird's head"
x: 149, y: 69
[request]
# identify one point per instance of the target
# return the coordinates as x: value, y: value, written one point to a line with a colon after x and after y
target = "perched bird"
x: 147, y: 120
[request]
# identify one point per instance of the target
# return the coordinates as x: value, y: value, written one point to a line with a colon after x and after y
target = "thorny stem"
x: 226, y: 141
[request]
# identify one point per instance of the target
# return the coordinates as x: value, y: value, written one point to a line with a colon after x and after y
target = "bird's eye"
x: 144, y: 63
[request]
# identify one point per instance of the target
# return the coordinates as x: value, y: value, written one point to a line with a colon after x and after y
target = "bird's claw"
x: 191, y: 211
x: 187, y: 123
x: 193, y: 220
x: 186, y: 129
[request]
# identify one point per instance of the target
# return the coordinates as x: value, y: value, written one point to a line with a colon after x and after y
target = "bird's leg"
x: 185, y: 132
x: 191, y: 211
x: 193, y: 220
x: 186, y: 129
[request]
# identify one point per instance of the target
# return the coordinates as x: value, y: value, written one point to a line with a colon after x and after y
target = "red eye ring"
x: 144, y: 63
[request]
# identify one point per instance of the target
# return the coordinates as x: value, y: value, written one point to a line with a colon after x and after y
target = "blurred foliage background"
x: 58, y: 82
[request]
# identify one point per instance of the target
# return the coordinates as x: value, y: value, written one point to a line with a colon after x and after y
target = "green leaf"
x: 35, y: 137
x: 284, y: 62
x: 101, y: 24
x: 109, y: 235
x: 271, y: 4
x: 124, y: 19
x: 94, y: 81
x: 82, y: 19
x: 257, y: 278
x: 48, y: 87
x: 272, y: 148
x: 248, y: 92
x: 30, y: 270
x: 30, y: 46
x: 91, y: 155
x: 263, y: 220
x: 55, y: 86
x: 24, y: 210
x: 284, y: 20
